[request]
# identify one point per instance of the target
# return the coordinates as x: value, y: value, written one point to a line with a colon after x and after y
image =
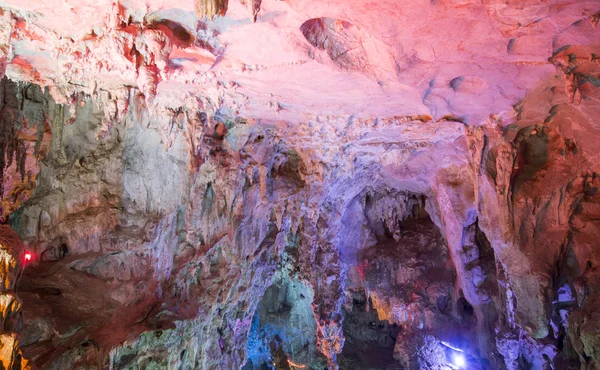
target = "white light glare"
x: 459, y: 360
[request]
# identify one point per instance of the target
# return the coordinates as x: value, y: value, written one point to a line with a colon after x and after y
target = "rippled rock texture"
x: 300, y: 185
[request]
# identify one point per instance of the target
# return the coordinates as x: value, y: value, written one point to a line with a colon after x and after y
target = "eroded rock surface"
x: 301, y: 185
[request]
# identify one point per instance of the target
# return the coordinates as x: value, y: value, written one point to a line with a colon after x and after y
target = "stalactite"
x: 211, y: 8
x: 255, y: 8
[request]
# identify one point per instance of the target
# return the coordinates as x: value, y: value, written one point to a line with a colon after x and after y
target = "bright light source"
x: 27, y: 256
x: 459, y: 360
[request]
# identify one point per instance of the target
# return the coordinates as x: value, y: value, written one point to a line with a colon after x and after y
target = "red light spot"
x: 27, y: 256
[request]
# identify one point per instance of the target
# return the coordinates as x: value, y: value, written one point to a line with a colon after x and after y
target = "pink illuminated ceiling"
x: 465, y: 58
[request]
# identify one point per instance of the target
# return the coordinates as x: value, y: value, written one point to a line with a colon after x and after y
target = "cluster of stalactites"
x: 211, y: 8
x: 214, y: 8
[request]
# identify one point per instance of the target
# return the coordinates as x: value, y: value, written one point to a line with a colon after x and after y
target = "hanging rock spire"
x: 211, y: 8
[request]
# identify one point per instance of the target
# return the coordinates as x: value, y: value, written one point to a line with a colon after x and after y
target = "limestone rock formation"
x: 300, y: 184
x: 12, y: 259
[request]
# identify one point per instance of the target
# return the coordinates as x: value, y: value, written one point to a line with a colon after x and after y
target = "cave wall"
x: 134, y: 238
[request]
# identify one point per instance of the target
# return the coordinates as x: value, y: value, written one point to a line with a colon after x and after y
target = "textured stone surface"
x: 303, y: 184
